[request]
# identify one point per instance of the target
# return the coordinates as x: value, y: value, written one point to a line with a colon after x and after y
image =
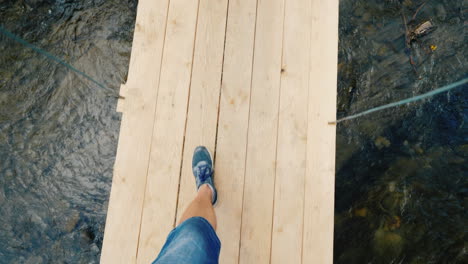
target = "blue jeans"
x: 192, y: 242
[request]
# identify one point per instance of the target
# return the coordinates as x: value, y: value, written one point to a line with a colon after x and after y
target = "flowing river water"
x: 59, y: 131
x: 401, y: 184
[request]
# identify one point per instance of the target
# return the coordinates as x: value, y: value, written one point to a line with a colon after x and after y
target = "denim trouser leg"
x: 192, y: 242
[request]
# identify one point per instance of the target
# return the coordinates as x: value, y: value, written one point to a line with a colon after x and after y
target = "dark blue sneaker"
x: 202, y: 167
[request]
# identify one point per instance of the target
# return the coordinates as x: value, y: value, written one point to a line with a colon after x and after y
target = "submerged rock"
x: 393, y: 222
x: 72, y: 221
x: 441, y: 12
x: 387, y: 244
x: 382, y: 142
x: 34, y: 260
x: 362, y: 212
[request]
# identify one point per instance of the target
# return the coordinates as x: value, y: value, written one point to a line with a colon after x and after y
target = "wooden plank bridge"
x: 255, y: 82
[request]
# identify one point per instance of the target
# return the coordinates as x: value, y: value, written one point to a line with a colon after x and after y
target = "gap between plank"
x: 152, y: 132
x: 248, y: 127
x: 186, y: 117
x: 221, y: 83
x: 277, y: 130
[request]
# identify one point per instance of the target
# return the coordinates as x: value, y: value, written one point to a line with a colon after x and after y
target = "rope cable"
x: 56, y: 59
x: 404, y: 101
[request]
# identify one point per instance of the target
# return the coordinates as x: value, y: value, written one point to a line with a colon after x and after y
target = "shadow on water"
x: 401, y: 182
x: 58, y: 131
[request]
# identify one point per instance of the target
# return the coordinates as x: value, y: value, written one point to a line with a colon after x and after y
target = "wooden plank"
x: 126, y: 199
x: 204, y: 91
x: 320, y: 176
x: 262, y: 134
x: 169, y: 126
x: 292, y: 136
x: 233, y: 124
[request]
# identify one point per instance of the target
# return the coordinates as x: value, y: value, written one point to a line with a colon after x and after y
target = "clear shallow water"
x: 58, y: 131
x: 401, y: 183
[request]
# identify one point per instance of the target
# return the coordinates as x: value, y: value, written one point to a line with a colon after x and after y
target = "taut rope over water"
x: 56, y: 59
x: 405, y: 101
x: 372, y: 110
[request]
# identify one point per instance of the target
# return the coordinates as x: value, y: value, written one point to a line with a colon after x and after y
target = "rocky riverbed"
x: 401, y: 174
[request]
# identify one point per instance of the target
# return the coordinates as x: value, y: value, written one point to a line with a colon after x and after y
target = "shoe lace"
x: 204, y: 172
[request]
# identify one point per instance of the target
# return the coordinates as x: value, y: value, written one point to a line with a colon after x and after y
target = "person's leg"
x: 194, y: 240
x: 201, y: 206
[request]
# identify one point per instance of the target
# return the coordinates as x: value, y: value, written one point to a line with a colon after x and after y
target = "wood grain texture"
x: 233, y: 125
x: 320, y: 176
x: 169, y: 127
x: 127, y: 194
x: 260, y: 93
x: 262, y: 135
x: 292, y: 136
x: 205, y: 87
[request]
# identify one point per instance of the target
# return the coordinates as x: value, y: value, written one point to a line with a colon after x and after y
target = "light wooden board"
x: 320, y: 179
x: 257, y: 213
x: 292, y: 136
x: 126, y: 199
x: 233, y: 125
x: 169, y: 126
x: 275, y: 152
x: 202, y: 116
